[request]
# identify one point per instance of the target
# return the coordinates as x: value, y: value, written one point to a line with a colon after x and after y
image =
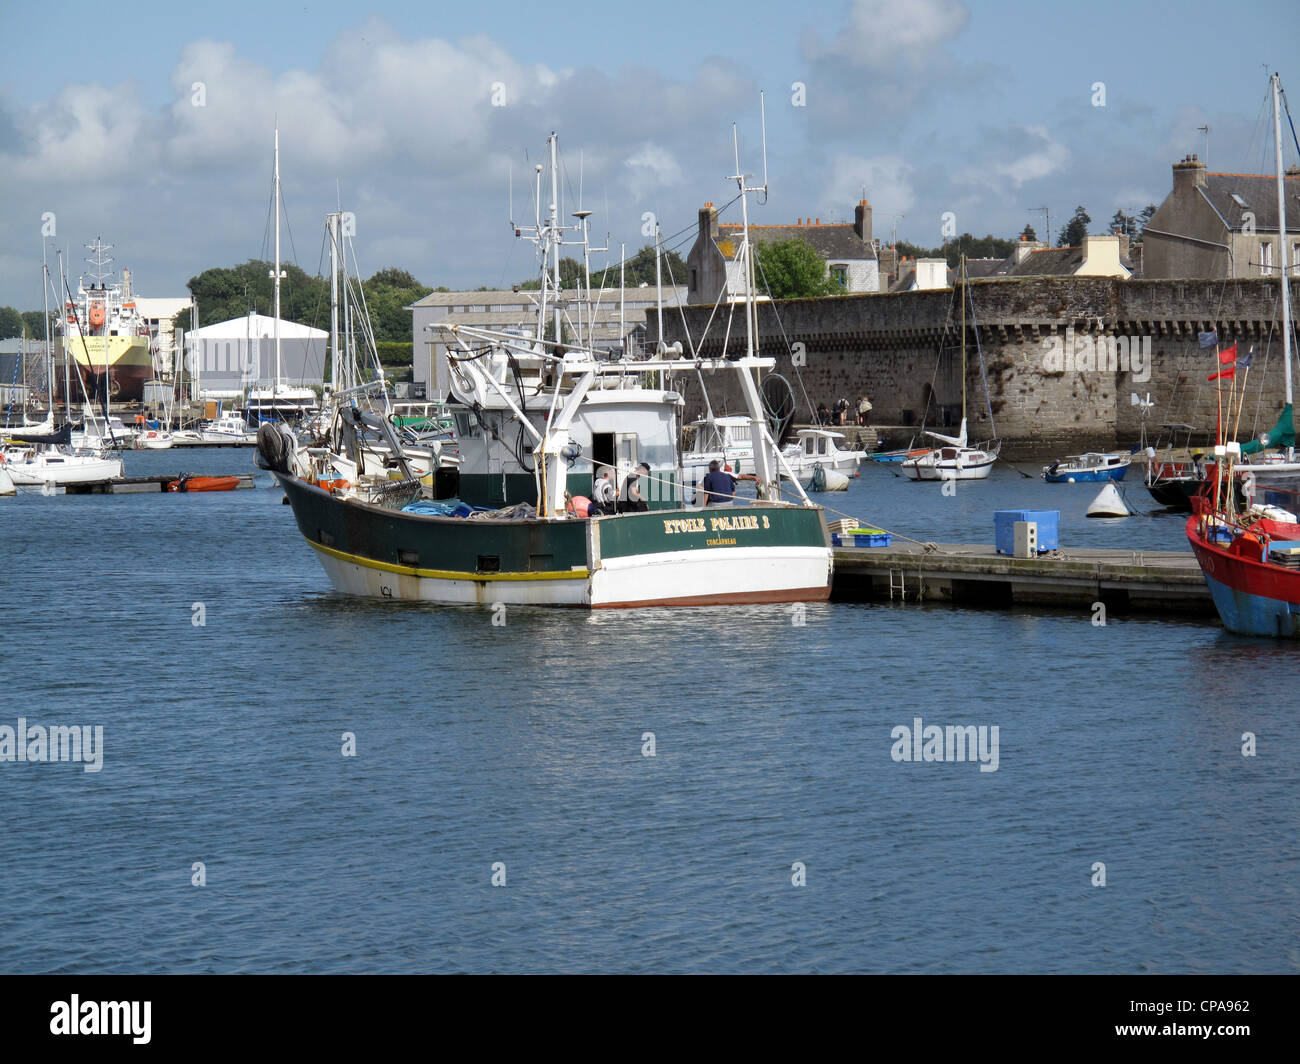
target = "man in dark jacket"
x: 719, y: 485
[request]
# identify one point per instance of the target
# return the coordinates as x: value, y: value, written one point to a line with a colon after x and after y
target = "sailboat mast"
x: 49, y: 351
x: 334, y: 300
x: 67, y: 349
x: 555, y: 233
x: 1281, y: 238
x: 659, y: 287
x: 275, y: 391
x: 963, y: 338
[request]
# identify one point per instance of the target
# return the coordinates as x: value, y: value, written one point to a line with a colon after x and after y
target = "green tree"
x: 640, y: 269
x: 791, y: 269
x: 1145, y: 216
x: 1073, y: 232
x: 1123, y: 223
x: 11, y: 323
x: 35, y: 322
x: 973, y: 247
x: 393, y: 277
x: 1028, y: 233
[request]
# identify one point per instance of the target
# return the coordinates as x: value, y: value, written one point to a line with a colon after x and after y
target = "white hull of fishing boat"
x: 722, y: 576
x: 688, y: 578
x: 63, y: 470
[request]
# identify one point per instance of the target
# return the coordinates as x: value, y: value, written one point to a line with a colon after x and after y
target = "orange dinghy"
x: 191, y: 483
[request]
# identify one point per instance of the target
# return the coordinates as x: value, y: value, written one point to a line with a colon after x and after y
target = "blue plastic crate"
x: 1004, y: 528
x: 857, y: 539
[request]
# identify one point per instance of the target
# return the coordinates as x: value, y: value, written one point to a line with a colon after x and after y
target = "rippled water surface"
x: 522, y: 744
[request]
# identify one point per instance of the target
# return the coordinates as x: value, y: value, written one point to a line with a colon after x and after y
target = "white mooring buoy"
x: 1108, y: 503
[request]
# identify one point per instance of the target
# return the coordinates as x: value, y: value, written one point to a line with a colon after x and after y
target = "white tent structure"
x: 228, y: 358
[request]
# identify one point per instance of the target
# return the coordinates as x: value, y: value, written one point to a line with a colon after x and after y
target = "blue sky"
x: 985, y: 110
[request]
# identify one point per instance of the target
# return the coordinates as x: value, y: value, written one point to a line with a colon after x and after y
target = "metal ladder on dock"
x: 898, y: 585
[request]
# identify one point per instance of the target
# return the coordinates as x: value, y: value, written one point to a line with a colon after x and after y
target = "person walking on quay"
x: 864, y: 411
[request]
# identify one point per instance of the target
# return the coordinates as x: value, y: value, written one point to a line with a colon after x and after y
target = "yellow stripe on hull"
x: 448, y: 574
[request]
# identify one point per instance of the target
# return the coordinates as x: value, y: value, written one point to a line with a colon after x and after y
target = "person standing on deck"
x: 603, y: 496
x: 630, y: 499
x: 719, y: 486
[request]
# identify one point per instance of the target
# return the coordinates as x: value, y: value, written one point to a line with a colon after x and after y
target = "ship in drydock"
x: 105, y: 333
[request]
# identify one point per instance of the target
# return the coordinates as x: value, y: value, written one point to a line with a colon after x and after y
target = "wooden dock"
x: 1074, y: 578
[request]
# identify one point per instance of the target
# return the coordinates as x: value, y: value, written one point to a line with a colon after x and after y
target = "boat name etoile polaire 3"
x: 739, y: 523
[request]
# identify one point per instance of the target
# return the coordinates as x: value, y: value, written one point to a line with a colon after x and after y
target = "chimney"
x: 709, y: 222
x: 1123, y: 246
x: 862, y: 220
x: 1188, y: 174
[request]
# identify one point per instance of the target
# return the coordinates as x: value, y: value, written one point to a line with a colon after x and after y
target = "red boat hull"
x: 1253, y: 596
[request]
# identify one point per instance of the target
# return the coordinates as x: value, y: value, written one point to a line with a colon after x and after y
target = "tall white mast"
x: 554, y: 224
x: 334, y: 300
x: 275, y: 391
x: 1282, y: 238
x: 659, y: 289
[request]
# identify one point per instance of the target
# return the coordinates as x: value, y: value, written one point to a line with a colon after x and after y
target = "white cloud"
x: 652, y: 167
x: 1021, y: 155
x: 888, y: 180
x: 883, y: 32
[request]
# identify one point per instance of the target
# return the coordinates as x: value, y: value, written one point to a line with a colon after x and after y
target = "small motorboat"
x: 189, y: 483
x: 1094, y: 466
x: 154, y: 440
x: 821, y: 449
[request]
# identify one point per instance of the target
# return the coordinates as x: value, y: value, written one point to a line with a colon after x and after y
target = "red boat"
x: 1251, y: 571
x: 187, y: 482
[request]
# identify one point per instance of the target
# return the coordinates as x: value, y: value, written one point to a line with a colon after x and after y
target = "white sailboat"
x: 956, y: 460
x: 280, y: 402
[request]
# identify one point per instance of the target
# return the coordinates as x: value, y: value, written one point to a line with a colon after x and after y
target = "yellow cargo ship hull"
x: 125, y: 360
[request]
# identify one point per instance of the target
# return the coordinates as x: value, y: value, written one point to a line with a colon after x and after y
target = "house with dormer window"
x: 1222, y: 225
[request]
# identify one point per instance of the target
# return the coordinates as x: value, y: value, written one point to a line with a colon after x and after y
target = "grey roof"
x: 986, y: 267
x: 832, y: 241
x: 1259, y: 193
x: 1048, y: 262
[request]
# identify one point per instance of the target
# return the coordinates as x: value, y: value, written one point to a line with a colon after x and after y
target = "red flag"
x: 1230, y: 372
x: 1228, y: 354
